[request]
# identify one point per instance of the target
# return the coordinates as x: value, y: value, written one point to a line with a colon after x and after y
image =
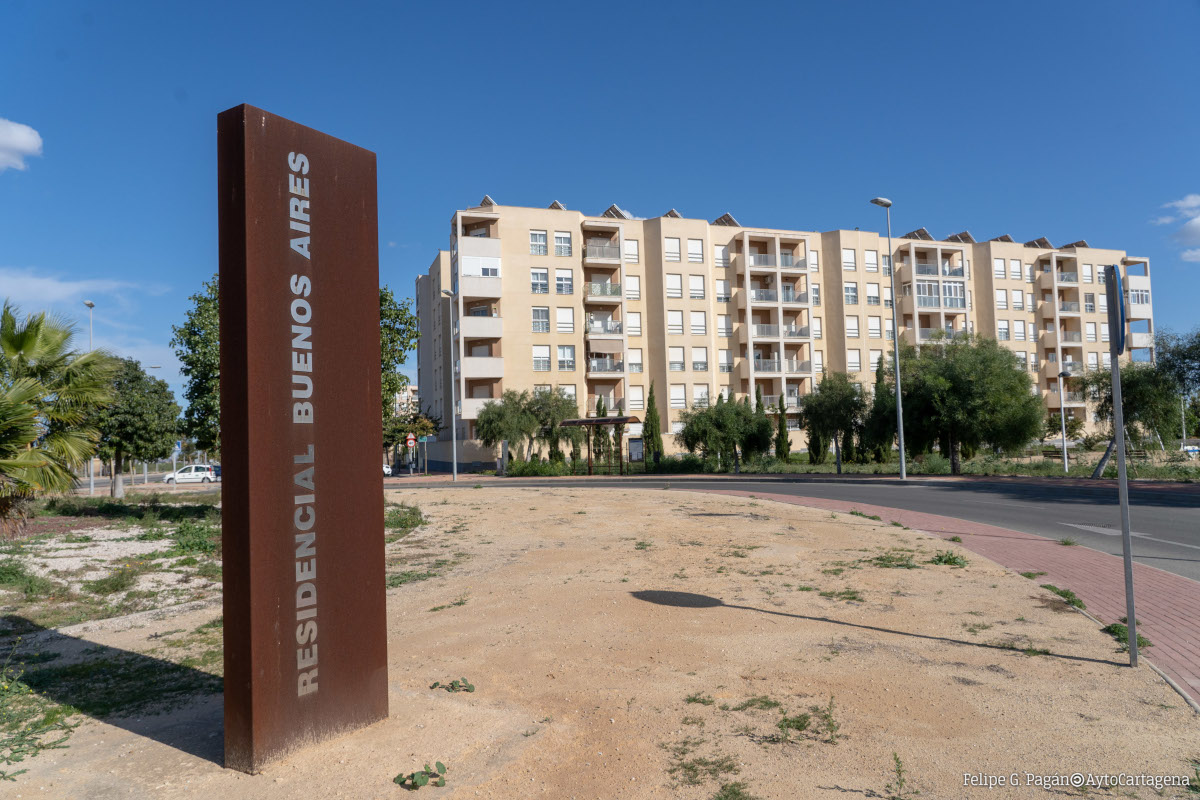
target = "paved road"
x: 1165, y: 522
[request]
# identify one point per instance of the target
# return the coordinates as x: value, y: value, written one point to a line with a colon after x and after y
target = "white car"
x: 387, y: 469
x: 196, y: 473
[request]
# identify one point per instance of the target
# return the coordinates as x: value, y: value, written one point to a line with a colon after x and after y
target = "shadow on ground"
x: 176, y: 705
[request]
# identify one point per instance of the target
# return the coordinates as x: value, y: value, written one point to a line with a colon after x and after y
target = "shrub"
x: 536, y: 469
x: 932, y: 464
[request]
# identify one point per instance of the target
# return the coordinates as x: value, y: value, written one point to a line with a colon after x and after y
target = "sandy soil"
x: 591, y: 616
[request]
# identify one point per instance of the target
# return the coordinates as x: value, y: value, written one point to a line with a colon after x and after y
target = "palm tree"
x: 47, y: 390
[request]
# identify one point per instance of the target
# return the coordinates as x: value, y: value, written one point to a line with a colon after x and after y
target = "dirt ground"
x: 661, y: 644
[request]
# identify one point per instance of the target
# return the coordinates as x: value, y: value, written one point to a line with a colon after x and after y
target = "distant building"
x: 405, y: 401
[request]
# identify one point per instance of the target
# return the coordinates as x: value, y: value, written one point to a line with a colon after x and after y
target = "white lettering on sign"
x: 304, y: 514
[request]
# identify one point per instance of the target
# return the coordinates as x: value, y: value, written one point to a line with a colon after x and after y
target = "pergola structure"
x: 592, y: 422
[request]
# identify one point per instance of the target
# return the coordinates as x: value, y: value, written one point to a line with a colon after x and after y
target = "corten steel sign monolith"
x: 302, y: 493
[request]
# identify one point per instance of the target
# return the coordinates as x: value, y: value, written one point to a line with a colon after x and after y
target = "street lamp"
x: 453, y: 396
x: 1062, y: 414
x: 91, y: 461
x: 886, y: 204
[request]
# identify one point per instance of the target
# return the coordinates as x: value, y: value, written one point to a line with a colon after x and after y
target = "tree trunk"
x: 955, y: 458
x: 837, y: 453
x: 116, y: 487
x: 1104, y: 458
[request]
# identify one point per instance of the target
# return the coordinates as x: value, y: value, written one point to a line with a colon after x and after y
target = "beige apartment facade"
x: 601, y: 306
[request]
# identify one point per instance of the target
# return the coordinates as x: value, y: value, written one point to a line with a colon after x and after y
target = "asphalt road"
x: 1165, y: 523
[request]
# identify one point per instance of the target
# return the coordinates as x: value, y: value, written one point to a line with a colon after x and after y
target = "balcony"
x: 676, y: 366
x: 469, y: 408
x: 474, y: 286
x: 481, y: 327
x: 788, y: 261
x: 771, y: 400
x: 927, y: 269
x: 761, y: 260
x: 605, y: 366
x: 481, y: 367
x: 765, y: 330
x: 766, y: 365
x: 610, y: 403
x: 1068, y: 307
x: 725, y: 366
x: 954, y: 302
x: 1071, y: 336
x: 602, y: 327
x: 1068, y: 277
x: 953, y: 272
x: 699, y: 366
x: 764, y: 296
x: 797, y: 332
x: 602, y: 292
x: 1074, y: 397
x: 925, y: 301
x: 795, y: 366
x: 792, y: 296
x: 1074, y: 368
x: 602, y: 254
x: 1140, y: 340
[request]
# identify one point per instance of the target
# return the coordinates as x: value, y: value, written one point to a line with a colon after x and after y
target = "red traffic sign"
x: 411, y: 440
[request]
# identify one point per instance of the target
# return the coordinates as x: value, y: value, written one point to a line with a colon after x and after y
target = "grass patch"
x: 196, y: 538
x: 759, y: 703
x: 119, y: 580
x: 733, y: 791
x: 1068, y: 542
x: 956, y: 539
x: 15, y: 576
x: 893, y: 560
x: 701, y: 699
x: 135, y: 508
x: 797, y: 723
x: 1120, y: 632
x: 29, y: 723
x: 949, y: 558
x: 1067, y: 595
x: 854, y: 512
x: 1031, y: 575
x: 643, y: 545
x: 408, y: 576
x: 400, y: 520
x: 849, y: 595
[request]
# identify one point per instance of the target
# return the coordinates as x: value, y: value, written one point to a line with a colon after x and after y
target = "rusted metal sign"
x: 302, y: 504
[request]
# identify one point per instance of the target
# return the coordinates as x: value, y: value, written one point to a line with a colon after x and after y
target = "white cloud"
x: 17, y: 143
x: 1189, y: 205
x: 1189, y: 232
x: 391, y: 244
x: 1191, y: 255
x: 33, y: 290
x: 1163, y: 220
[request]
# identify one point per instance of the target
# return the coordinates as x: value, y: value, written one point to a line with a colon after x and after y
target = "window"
x: 725, y: 360
x: 1106, y: 359
x: 1093, y: 360
x: 954, y: 295
x: 566, y: 357
x: 677, y: 427
x: 721, y: 255
x: 480, y: 266
x: 1002, y: 333
x: 1014, y: 269
x: 1033, y: 361
x: 853, y: 360
x: 696, y: 286
x: 872, y: 294
x: 1102, y: 300
x: 631, y: 251
x: 541, y: 320
x: 1139, y: 296
x: 871, y: 260
x: 634, y: 318
x: 565, y: 318
x: 1029, y: 273
x: 887, y: 265
x: 699, y: 324
x: 564, y: 282
x: 1029, y: 300
x: 818, y: 361
x: 1023, y: 359
x: 671, y: 247
x: 537, y: 243
x: 1018, y: 300
x: 876, y: 358
x: 927, y: 294
x: 1087, y: 273
x: 675, y: 361
x: 562, y: 243
x: 634, y: 359
x: 567, y: 390
x: 637, y: 398
x: 633, y: 287
x: 852, y: 327
x: 814, y: 294
x: 700, y: 395
x: 875, y: 327
x: 724, y: 326
x: 850, y: 293
x: 722, y: 290
x: 1091, y: 331
x: 675, y: 322
x: 1089, y: 302
x: 541, y: 358
x: 816, y: 328
x: 695, y: 251
x: 1019, y: 330
x: 1101, y: 275
x: 678, y: 395
x: 997, y: 267
x: 700, y: 359
x: 1104, y: 331
x: 674, y: 286
x: 1001, y: 298
x: 848, y: 258
x: 539, y: 281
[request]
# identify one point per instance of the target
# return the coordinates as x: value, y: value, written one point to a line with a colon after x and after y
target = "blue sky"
x: 1060, y: 119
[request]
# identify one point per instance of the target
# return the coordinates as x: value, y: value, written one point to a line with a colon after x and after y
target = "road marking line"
x: 1111, y: 532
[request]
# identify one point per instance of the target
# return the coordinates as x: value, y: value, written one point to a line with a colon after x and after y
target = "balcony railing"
x: 791, y: 401
x: 635, y: 366
x: 766, y: 365
x: 762, y: 260
x: 566, y: 365
x: 766, y: 330
x: 1069, y: 307
x: 797, y: 332
x: 1074, y: 397
x: 602, y: 326
x: 1071, y: 336
x: 796, y: 365
x: 764, y: 295
x: 539, y: 288
x: 700, y: 366
x: 792, y: 296
x: 1074, y: 367
x: 725, y: 367
x: 723, y: 298
x: 603, y: 251
x: 1068, y: 277
x: 605, y: 365
x: 789, y: 260
x: 927, y: 269
x: 541, y: 365
x: 954, y: 302
x: 925, y: 301
x: 602, y: 289
x: 700, y: 402
x: 676, y: 366
x: 724, y: 331
x: 541, y: 326
x: 953, y: 272
x: 771, y: 400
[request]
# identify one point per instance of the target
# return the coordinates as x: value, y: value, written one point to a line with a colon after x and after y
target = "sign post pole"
x: 1116, y: 324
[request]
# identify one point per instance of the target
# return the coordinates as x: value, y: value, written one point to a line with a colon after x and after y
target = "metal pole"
x: 896, y: 348
x: 454, y: 394
x: 1062, y: 418
x: 92, y: 460
x: 1123, y: 493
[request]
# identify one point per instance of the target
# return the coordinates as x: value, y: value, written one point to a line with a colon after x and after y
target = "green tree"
x: 1053, y: 427
x: 1179, y: 356
x: 619, y: 435
x: 834, y: 409
x: 508, y: 419
x: 601, y: 444
x: 398, y: 334
x: 550, y: 408
x: 47, y: 391
x: 140, y: 422
x: 783, y: 443
x: 879, y: 426
x: 967, y: 391
x: 726, y: 433
x: 652, y: 444
x: 758, y: 432
x: 197, y: 345
x: 397, y: 428
x: 1150, y: 399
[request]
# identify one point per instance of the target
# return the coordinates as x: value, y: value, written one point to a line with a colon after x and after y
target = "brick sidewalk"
x: 1168, y: 605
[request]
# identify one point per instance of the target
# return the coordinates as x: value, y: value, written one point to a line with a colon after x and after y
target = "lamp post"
x: 886, y: 204
x: 91, y: 461
x: 1062, y: 414
x: 453, y: 395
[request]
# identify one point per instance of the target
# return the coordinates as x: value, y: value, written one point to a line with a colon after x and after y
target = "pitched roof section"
x: 487, y: 201
x: 557, y: 206
x: 1003, y: 238
x: 919, y: 233
x: 1081, y: 243
x: 963, y: 238
x: 673, y: 214
x: 728, y: 220
x: 616, y: 212
x: 1042, y: 243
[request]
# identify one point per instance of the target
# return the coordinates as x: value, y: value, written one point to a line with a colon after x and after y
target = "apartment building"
x: 601, y: 306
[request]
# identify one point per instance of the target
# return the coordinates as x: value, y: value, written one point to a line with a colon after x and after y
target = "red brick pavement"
x: 1168, y: 605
